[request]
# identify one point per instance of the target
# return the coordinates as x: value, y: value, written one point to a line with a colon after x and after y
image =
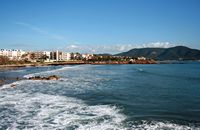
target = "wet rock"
x: 52, y: 77
x: 1, y: 82
x: 13, y: 85
x: 18, y: 78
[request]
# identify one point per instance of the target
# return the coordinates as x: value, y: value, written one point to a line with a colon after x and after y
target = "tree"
x: 32, y: 56
x: 4, y: 60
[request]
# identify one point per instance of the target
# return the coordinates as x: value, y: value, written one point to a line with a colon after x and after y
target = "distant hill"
x: 173, y: 53
x: 104, y: 54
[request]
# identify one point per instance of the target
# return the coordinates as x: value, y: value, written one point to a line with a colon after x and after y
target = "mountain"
x: 104, y: 54
x: 173, y: 53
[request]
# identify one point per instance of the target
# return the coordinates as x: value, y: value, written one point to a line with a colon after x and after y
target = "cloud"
x: 113, y: 48
x: 73, y: 46
x: 40, y: 31
x: 158, y: 45
x: 77, y: 48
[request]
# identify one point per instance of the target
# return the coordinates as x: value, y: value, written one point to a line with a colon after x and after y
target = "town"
x: 15, y: 56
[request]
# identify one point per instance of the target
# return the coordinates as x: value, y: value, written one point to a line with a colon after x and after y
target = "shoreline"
x: 15, y: 66
x: 72, y: 63
x: 18, y: 66
x: 8, y: 67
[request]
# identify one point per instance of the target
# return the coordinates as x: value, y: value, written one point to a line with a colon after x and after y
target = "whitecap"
x: 8, y: 86
x: 156, y: 125
x: 42, y: 111
x: 64, y: 68
x: 17, y: 71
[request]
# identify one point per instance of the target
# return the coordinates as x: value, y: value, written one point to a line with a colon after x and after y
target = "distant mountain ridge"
x: 173, y: 53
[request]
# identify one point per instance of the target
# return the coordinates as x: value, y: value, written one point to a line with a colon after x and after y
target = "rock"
x: 1, y: 82
x: 13, y: 85
x: 52, y: 77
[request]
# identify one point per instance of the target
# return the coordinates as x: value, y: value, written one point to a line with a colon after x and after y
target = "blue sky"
x: 99, y: 26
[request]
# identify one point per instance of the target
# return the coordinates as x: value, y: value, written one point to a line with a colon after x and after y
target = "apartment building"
x: 12, y: 54
x: 60, y: 56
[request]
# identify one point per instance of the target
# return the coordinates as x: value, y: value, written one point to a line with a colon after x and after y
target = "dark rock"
x: 13, y: 85
x: 52, y: 77
x: 1, y: 82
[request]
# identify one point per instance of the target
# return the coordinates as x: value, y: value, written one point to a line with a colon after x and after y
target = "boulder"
x: 52, y: 77
x: 13, y: 85
x: 1, y: 82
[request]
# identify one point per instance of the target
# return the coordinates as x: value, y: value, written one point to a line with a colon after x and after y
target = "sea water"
x: 159, y: 96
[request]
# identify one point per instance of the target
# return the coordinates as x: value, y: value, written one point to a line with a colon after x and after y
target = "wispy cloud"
x: 158, y: 44
x: 40, y: 31
x: 114, y: 48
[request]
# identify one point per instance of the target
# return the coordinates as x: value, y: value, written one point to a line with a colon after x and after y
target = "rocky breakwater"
x: 52, y: 77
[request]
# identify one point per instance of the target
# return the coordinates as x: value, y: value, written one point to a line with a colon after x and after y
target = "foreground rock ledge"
x: 52, y: 77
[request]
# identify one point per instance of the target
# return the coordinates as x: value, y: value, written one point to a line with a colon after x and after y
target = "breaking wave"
x: 42, y: 105
x: 156, y: 125
x: 24, y: 110
x: 52, y: 71
x: 18, y: 71
x: 42, y: 111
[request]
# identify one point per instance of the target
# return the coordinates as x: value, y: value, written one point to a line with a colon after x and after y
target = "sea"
x: 103, y: 97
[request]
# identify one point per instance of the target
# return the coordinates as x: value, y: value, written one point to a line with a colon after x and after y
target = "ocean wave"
x: 52, y: 71
x: 42, y: 111
x: 17, y: 71
x: 20, y: 110
x: 8, y: 86
x: 165, y: 125
x: 63, y: 86
x: 45, y: 105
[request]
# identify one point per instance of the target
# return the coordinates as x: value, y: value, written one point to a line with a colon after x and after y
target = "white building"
x: 66, y: 56
x: 141, y: 58
x: 60, y: 56
x: 12, y: 54
x: 87, y: 56
x: 47, y: 53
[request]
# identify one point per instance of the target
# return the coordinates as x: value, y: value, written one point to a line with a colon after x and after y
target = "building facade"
x: 87, y: 56
x: 60, y: 56
x: 40, y: 55
x: 12, y: 54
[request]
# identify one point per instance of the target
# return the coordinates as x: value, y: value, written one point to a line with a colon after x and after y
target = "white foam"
x: 18, y: 70
x: 43, y: 111
x: 140, y: 69
x: 52, y: 71
x: 155, y: 125
x: 61, y: 112
x: 17, y: 83
x: 58, y: 112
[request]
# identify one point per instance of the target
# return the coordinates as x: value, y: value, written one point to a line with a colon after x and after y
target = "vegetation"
x: 173, y: 53
x: 6, y: 61
x: 109, y: 58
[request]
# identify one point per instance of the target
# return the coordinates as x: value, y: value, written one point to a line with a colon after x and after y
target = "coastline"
x: 73, y: 63
x: 15, y: 66
x: 18, y: 66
